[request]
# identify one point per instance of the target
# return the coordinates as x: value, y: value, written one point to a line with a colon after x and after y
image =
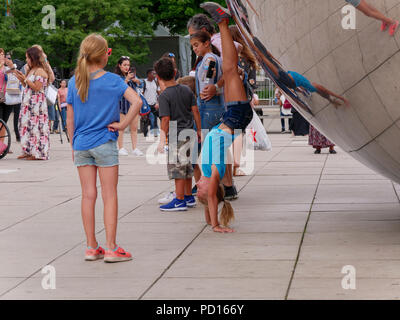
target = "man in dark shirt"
x: 178, y: 111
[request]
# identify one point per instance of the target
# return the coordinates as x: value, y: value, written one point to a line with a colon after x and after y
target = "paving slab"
x: 297, y: 214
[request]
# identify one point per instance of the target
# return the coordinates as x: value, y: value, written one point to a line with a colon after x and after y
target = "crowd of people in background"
x: 95, y: 107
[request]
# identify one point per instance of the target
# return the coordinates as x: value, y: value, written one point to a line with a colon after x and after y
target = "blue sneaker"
x: 175, y: 205
x: 190, y: 201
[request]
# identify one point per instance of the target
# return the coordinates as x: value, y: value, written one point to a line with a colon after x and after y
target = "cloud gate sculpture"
x: 345, y: 82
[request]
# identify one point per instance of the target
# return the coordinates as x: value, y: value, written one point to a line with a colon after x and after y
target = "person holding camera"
x: 128, y: 73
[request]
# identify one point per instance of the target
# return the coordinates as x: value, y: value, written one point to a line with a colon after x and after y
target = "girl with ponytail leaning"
x: 93, y: 104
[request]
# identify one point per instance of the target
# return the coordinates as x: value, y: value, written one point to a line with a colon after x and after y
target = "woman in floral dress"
x: 33, y: 121
x: 319, y: 141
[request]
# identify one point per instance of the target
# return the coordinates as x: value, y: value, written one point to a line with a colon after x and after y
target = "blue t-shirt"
x: 302, y: 81
x: 101, y: 108
x: 215, y: 150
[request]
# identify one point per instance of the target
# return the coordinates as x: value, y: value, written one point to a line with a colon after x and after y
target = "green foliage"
x: 174, y: 14
x: 124, y: 23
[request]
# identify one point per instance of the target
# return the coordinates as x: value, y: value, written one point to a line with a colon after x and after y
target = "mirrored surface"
x: 345, y: 82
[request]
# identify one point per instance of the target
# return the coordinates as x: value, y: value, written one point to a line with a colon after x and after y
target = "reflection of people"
x: 372, y: 12
x: 294, y: 80
x: 285, y: 108
x: 319, y: 141
x: 299, y: 126
x: 219, y: 139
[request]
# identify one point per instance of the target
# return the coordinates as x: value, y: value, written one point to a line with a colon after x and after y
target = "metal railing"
x: 265, y: 89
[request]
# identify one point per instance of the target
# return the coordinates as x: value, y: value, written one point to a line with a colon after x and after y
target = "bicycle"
x: 6, y: 138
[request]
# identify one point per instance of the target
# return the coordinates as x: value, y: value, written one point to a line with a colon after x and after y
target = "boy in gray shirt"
x: 178, y: 112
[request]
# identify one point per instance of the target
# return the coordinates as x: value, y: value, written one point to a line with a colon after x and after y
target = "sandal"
x: 23, y: 156
x: 33, y: 158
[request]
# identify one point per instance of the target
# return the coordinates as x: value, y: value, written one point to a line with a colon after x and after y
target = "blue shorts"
x: 105, y: 155
x: 238, y: 115
x: 355, y: 3
x: 210, y: 114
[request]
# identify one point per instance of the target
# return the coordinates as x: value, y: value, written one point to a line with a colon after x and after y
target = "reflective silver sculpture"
x: 356, y: 72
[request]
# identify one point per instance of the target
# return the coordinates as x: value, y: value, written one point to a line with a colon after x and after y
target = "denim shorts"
x: 105, y: 155
x: 210, y: 115
x: 238, y: 115
x: 52, y: 113
x: 355, y: 3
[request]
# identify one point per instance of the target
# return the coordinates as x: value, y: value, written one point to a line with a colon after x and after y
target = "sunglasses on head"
x: 171, y: 55
x: 109, y: 51
x: 125, y: 57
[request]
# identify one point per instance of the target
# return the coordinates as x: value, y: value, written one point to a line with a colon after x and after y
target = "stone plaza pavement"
x: 300, y: 219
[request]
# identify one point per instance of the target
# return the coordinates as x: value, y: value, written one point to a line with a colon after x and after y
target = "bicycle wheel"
x: 5, y: 137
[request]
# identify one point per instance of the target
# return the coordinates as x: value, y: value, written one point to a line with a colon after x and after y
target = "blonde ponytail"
x: 227, y: 214
x: 82, y: 78
x: 92, y: 51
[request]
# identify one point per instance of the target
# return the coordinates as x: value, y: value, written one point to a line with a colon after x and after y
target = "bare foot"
x: 223, y: 229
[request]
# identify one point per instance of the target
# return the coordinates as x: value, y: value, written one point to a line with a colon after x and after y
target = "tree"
x: 174, y: 14
x: 126, y: 24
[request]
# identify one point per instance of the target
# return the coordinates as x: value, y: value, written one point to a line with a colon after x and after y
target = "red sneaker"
x: 384, y: 26
x: 94, y: 254
x: 117, y: 255
x: 393, y: 28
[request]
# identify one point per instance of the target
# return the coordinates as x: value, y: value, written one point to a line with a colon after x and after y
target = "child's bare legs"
x: 372, y: 12
x: 121, y: 133
x: 233, y: 87
x: 134, y: 128
x: 180, y: 185
x: 188, y: 187
x: 197, y: 173
x: 109, y: 181
x: 237, y: 153
x: 88, y: 176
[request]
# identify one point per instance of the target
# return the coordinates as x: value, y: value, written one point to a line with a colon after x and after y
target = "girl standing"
x: 33, y: 120
x: 124, y: 70
x: 92, y: 103
x: 211, y: 111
